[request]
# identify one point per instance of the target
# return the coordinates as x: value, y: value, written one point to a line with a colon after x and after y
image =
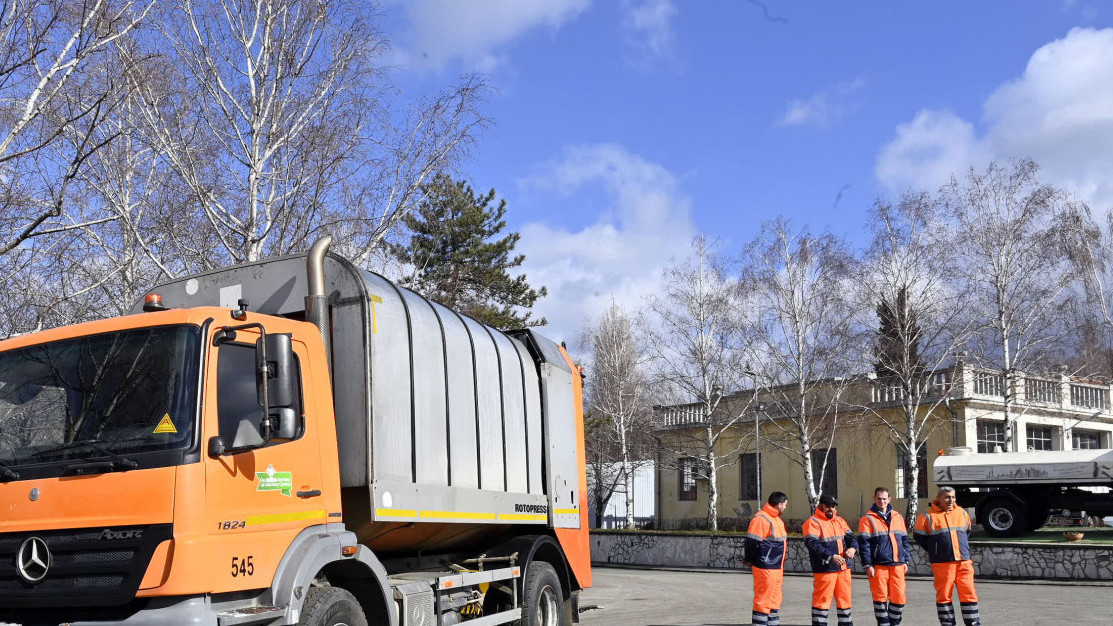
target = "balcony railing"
x: 1043, y: 390
x: 989, y: 384
x: 1064, y: 392
x: 1088, y: 397
x: 680, y: 416
x: 933, y: 386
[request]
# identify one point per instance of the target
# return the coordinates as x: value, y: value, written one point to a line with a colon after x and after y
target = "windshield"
x: 116, y: 393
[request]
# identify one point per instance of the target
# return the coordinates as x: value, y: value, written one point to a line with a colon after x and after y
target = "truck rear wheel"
x: 543, y: 600
x: 1003, y: 517
x: 331, y: 606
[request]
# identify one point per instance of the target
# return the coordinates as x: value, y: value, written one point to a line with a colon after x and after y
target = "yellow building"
x: 966, y: 409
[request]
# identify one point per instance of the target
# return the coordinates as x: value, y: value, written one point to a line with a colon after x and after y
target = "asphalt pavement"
x: 657, y: 597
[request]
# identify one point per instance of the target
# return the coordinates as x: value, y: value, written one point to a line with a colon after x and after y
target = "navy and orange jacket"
x: 824, y: 538
x: 883, y: 538
x: 766, y: 539
x: 944, y: 535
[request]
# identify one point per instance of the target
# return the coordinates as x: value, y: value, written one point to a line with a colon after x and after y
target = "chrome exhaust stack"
x: 316, y: 302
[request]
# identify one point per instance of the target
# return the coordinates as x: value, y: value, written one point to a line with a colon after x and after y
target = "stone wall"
x: 991, y: 560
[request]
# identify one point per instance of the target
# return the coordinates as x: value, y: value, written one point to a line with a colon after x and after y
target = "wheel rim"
x: 547, y: 608
x: 1001, y: 519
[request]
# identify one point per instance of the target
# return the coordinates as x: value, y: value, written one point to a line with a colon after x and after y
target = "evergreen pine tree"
x: 898, y: 340
x: 457, y: 257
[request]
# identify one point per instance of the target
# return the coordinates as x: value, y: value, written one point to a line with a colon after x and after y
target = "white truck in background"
x: 1016, y: 492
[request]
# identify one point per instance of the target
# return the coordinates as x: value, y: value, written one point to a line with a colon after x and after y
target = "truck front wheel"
x: 331, y: 606
x: 543, y: 600
x: 1003, y: 517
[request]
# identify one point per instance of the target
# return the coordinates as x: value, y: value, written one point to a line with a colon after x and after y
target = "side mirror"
x: 282, y: 424
x: 216, y: 447
x: 280, y: 372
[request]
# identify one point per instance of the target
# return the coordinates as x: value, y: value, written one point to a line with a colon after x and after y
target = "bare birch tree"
x: 800, y: 306
x: 50, y: 54
x: 618, y: 396
x: 280, y: 127
x: 604, y: 475
x: 923, y: 324
x: 1009, y: 242
x: 695, y: 339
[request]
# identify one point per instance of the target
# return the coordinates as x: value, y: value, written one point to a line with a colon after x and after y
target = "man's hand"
x: 839, y: 560
x: 850, y: 552
x: 869, y: 571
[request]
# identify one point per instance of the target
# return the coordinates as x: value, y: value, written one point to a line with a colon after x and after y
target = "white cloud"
x: 650, y: 25
x: 644, y: 221
x: 475, y: 31
x: 1058, y: 113
x: 821, y: 109
x: 927, y: 150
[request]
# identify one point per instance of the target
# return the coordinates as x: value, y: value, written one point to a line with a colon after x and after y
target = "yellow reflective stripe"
x: 284, y: 517
x: 528, y: 517
x: 455, y: 515
x: 395, y: 513
x: 566, y: 511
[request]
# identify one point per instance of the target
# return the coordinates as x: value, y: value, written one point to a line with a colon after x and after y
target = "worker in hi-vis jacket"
x: 943, y: 531
x: 831, y: 546
x: 884, y: 548
x: 766, y: 541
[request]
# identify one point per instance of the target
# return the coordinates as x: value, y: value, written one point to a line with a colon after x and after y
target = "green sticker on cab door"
x: 271, y: 480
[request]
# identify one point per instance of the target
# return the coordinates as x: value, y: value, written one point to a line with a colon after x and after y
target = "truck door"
x: 258, y: 499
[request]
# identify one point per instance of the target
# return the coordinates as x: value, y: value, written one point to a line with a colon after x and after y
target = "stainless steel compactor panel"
x: 439, y: 418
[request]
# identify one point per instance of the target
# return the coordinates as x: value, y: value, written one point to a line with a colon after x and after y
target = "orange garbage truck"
x: 290, y: 441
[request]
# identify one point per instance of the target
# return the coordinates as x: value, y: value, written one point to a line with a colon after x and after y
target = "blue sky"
x: 624, y: 127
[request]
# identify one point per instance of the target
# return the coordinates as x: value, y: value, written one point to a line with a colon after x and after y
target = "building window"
x: 1039, y: 438
x: 827, y: 483
x: 1086, y: 439
x: 990, y: 436
x: 903, y: 474
x: 751, y: 465
x: 686, y: 474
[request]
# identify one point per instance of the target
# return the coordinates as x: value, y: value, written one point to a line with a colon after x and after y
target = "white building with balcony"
x: 1060, y: 412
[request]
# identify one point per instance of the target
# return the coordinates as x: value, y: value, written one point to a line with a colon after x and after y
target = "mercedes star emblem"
x: 33, y: 559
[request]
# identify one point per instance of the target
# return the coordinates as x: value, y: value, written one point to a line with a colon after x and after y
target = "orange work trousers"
x: 767, y: 588
x: 948, y: 575
x: 829, y: 584
x: 887, y: 584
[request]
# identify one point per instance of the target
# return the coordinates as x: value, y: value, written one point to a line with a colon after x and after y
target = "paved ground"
x: 640, y: 597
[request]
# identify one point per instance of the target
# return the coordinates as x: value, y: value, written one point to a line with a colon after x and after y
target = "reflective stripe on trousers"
x: 772, y: 618
x: 948, y: 576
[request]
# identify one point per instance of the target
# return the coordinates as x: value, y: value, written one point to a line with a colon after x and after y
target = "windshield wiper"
x: 7, y: 474
x: 115, y: 461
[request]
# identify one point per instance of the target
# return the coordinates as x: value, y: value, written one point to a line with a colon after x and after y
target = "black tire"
x: 542, y: 598
x: 331, y: 606
x: 1002, y: 517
